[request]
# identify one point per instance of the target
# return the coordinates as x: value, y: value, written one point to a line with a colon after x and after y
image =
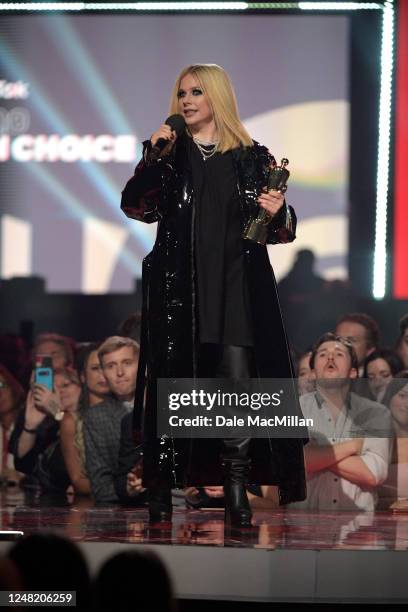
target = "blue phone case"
x: 44, y: 376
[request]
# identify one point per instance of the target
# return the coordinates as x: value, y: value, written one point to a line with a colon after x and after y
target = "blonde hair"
x: 114, y: 343
x: 217, y: 86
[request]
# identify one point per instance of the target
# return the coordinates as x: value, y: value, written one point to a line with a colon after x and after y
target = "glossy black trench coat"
x: 163, y: 191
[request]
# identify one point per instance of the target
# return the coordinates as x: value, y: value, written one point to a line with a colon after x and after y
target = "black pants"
x: 232, y: 362
x: 226, y: 361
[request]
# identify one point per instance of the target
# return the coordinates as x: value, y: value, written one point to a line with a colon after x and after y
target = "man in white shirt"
x: 363, y: 333
x: 351, y: 438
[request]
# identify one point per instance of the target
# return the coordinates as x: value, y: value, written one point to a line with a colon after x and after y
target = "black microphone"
x: 177, y: 123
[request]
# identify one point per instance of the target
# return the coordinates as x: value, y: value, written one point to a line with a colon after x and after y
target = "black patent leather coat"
x: 163, y: 191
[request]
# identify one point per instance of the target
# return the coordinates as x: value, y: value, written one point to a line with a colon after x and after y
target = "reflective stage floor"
x: 286, y: 555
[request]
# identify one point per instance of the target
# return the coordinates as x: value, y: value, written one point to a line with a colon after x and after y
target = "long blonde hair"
x: 217, y: 86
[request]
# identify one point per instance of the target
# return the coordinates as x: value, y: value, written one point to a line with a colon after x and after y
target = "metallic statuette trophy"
x: 257, y: 229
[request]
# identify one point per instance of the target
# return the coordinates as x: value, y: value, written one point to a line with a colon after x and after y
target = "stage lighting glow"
x: 42, y: 6
x: 124, y: 6
x: 91, y: 79
x: 167, y: 6
x: 16, y: 247
x: 74, y: 208
x: 383, y: 158
x: 55, y: 119
x: 188, y: 6
x: 339, y: 6
x: 64, y: 145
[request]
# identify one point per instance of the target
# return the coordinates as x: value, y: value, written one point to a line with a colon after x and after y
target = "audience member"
x: 94, y: 391
x: 59, y: 348
x: 35, y: 439
x: 363, y: 333
x: 299, y: 291
x: 379, y: 369
x: 48, y: 562
x: 302, y: 278
x: 305, y: 377
x: 402, y: 342
x: 119, y: 358
x: 11, y: 403
x: 68, y: 388
x: 395, y: 488
x: 92, y: 377
x: 14, y: 355
x: 10, y: 578
x: 343, y: 467
x: 154, y: 589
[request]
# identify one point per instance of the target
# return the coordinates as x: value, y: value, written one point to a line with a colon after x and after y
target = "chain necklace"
x: 204, y: 149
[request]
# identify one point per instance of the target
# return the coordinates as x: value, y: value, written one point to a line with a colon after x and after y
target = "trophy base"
x: 256, y: 232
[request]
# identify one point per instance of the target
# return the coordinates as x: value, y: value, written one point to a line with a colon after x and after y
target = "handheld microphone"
x: 177, y: 123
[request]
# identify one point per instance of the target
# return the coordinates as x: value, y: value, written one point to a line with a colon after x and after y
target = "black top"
x: 47, y: 434
x: 223, y: 300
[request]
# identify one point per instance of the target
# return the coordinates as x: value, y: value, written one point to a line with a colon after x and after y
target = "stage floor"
x: 285, y: 556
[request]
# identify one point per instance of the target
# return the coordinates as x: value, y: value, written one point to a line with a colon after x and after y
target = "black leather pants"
x: 226, y: 361
x: 234, y: 362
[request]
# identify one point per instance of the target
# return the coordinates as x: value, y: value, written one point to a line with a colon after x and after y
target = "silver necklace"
x: 205, y: 152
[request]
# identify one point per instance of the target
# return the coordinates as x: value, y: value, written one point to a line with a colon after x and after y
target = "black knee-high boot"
x: 236, y: 362
x: 160, y: 505
x: 236, y: 464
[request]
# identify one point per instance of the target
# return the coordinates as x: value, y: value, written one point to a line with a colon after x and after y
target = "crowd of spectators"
x: 46, y: 562
x: 76, y: 437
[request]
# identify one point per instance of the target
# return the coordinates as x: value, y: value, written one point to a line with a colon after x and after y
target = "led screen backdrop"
x: 79, y: 93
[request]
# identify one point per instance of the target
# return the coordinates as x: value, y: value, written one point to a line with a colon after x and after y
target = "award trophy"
x: 257, y: 229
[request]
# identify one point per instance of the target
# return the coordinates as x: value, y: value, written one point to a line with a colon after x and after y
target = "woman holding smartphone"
x: 35, y: 440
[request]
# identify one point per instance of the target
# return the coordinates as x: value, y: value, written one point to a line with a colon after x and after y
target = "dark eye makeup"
x: 196, y: 92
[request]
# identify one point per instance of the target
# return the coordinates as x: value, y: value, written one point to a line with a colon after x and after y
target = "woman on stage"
x: 210, y: 304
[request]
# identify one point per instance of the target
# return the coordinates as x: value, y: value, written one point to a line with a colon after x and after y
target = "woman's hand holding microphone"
x: 164, y: 138
x: 165, y: 132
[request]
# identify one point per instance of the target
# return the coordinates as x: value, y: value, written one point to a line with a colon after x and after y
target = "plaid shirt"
x: 102, y: 438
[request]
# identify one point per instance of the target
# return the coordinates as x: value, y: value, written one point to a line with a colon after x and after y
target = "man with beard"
x: 350, y: 441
